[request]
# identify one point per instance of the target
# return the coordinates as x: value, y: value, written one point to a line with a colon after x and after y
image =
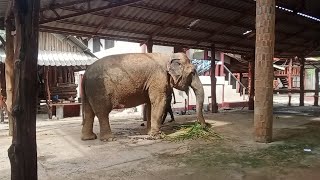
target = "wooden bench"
x: 61, y: 109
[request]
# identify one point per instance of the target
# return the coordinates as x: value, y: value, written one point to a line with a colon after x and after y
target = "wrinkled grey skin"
x: 129, y: 80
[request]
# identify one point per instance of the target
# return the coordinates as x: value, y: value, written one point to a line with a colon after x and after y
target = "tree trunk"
x: 23, y: 150
x: 9, y: 73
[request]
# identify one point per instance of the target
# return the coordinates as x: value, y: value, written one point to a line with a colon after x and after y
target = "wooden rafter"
x: 173, y: 18
x: 133, y: 39
x: 160, y: 9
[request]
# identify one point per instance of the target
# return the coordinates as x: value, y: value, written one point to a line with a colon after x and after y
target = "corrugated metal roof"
x: 137, y: 21
x: 59, y: 58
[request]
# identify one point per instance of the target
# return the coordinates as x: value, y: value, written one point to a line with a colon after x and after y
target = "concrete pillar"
x: 316, y: 92
x: 302, y: 61
x: 59, y: 111
x: 264, y: 52
x: 251, y: 85
x: 214, y: 105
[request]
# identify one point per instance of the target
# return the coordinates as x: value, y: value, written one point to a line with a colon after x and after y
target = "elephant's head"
x: 183, y: 75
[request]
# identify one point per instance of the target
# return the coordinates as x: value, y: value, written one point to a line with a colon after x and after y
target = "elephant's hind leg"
x: 105, y: 130
x: 88, y: 118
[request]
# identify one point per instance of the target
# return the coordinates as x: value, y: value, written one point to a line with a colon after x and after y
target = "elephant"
x: 132, y: 79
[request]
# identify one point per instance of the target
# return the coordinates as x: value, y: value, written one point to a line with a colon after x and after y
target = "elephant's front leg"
x: 157, y: 112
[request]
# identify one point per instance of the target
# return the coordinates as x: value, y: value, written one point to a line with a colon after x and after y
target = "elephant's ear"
x: 175, y: 68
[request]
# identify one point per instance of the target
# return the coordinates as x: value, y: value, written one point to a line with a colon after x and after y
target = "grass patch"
x: 193, y: 131
x: 290, y: 153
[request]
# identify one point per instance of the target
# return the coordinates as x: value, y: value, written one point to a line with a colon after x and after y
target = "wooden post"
x: 72, y: 75
x: 214, y: 105
x: 289, y: 81
x: 47, y: 90
x: 23, y: 150
x: 69, y: 75
x: 9, y: 71
x: 222, y: 65
x: 264, y: 53
x: 302, y: 61
x: 251, y: 85
x: 55, y: 76
x: 217, y: 70
x: 316, y: 92
x: 240, y: 87
x: 149, y: 45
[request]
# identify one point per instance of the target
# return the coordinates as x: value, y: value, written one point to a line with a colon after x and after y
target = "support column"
x: 222, y: 64
x: 23, y: 150
x: 289, y: 81
x: 251, y: 84
x: 240, y: 87
x: 47, y: 90
x: 316, y: 92
x: 149, y: 46
x: 214, y: 105
x: 302, y: 61
x: 264, y: 52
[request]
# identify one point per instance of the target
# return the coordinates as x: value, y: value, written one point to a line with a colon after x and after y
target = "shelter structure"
x: 58, y: 58
x: 258, y: 30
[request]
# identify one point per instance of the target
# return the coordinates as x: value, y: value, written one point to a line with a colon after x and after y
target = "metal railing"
x: 244, y: 88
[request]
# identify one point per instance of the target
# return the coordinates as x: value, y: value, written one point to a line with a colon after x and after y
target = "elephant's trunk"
x: 197, y: 87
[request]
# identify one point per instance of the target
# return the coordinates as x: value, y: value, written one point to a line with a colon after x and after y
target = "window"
x: 108, y: 44
x: 96, y: 44
x: 296, y: 82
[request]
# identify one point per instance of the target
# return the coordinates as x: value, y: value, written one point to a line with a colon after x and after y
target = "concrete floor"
x: 62, y: 155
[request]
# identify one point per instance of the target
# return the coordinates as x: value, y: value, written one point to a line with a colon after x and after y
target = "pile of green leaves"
x: 193, y: 131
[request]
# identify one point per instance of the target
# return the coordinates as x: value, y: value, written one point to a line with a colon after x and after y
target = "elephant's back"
x: 128, y: 62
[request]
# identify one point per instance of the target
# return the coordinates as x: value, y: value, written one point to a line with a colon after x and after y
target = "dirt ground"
x: 62, y: 155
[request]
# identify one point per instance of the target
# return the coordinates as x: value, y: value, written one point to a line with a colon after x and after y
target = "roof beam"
x: 109, y: 6
x: 159, y: 35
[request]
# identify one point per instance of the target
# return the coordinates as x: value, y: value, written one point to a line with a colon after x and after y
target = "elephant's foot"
x: 90, y: 136
x: 154, y: 135
x: 107, y: 137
